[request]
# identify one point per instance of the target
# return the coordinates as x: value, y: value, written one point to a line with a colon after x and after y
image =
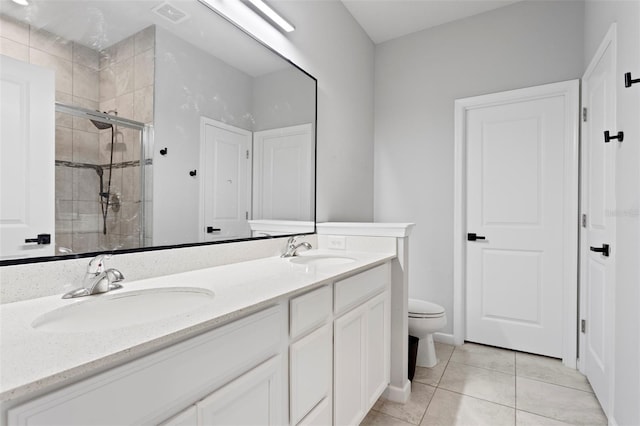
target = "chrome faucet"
x: 97, y: 279
x: 291, y: 248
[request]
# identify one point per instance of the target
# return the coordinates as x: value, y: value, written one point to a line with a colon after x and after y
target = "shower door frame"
x: 145, y: 148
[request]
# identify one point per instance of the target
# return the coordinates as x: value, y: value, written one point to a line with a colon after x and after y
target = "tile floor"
x: 481, y: 385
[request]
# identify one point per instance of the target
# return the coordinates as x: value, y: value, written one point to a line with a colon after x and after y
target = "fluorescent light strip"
x: 273, y: 15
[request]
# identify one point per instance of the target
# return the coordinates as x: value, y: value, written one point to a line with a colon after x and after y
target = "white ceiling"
x: 388, y: 19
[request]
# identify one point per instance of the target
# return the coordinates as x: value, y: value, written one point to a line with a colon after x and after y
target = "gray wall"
x: 282, y: 99
x: 331, y: 46
x: 599, y: 15
x: 189, y: 84
x: 417, y: 79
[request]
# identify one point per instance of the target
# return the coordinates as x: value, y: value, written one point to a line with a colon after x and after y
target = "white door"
x: 517, y: 174
x: 598, y: 228
x: 27, y: 154
x: 283, y: 173
x: 226, y: 181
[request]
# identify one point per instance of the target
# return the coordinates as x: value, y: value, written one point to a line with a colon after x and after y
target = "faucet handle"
x: 96, y: 265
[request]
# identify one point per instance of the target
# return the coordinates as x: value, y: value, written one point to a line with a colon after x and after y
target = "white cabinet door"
x: 378, y: 348
x: 254, y: 398
x: 188, y: 417
x: 349, y: 369
x: 362, y: 359
x: 310, y: 372
x: 320, y: 415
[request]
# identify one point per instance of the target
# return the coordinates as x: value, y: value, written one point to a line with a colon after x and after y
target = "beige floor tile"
x: 481, y: 383
x: 375, y: 418
x: 443, y: 352
x: 451, y: 409
x: 413, y: 410
x: 528, y: 419
x: 431, y: 376
x: 558, y: 402
x: 550, y: 370
x: 485, y: 356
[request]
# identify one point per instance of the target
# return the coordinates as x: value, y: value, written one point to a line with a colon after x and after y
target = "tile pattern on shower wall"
x: 119, y: 78
x: 126, y: 85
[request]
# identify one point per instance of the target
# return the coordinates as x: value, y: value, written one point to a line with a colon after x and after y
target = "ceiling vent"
x: 170, y: 13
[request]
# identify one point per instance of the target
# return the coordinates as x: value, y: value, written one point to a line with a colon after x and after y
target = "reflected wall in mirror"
x: 147, y: 123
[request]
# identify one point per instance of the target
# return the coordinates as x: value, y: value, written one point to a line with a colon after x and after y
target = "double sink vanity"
x: 302, y: 340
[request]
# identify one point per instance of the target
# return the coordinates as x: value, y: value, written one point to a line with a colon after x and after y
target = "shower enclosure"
x: 100, y: 181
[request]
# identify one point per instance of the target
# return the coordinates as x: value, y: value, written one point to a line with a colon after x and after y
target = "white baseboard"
x: 444, y: 338
x: 396, y: 394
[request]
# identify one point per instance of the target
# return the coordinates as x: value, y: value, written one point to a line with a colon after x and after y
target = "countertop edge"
x: 82, y: 371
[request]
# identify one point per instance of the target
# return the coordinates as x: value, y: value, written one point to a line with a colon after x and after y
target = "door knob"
x: 474, y: 237
x: 604, y: 250
x: 211, y: 229
x: 41, y: 239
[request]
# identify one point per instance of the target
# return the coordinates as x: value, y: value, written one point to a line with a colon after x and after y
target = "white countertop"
x: 33, y: 360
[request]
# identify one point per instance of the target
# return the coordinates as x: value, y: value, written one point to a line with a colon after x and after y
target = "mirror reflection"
x: 150, y: 123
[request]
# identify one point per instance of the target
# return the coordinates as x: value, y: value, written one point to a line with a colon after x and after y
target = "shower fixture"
x: 106, y: 196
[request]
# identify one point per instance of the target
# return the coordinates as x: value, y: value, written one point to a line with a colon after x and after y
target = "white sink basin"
x: 321, y: 260
x: 118, y: 310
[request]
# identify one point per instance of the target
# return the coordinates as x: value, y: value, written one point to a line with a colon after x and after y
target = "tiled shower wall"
x: 117, y: 78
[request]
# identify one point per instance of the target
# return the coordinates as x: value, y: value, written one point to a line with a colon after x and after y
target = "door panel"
x: 500, y: 266
x: 598, y: 204
x: 27, y: 149
x: 511, y: 189
x: 226, y: 183
x: 516, y: 183
x: 283, y: 174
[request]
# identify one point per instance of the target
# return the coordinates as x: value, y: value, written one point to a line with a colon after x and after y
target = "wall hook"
x: 628, y: 81
x: 193, y: 173
x: 163, y: 151
x: 608, y: 137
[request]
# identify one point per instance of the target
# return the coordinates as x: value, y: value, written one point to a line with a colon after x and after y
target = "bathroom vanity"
x: 297, y: 341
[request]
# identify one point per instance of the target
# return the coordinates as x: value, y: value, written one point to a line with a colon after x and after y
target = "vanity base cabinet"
x: 155, y: 387
x: 361, y: 358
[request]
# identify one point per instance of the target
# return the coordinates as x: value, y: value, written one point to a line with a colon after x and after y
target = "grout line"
x: 555, y: 384
x: 485, y: 368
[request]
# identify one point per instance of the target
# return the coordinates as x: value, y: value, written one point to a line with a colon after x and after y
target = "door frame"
x: 205, y: 121
x: 571, y: 91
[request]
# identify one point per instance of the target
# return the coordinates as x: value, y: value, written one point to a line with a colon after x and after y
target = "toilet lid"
x: 422, y: 308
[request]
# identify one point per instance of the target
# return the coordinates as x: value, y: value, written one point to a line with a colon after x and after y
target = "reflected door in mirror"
x: 26, y: 160
x: 226, y: 181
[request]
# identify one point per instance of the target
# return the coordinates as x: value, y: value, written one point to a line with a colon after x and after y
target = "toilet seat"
x: 423, y: 309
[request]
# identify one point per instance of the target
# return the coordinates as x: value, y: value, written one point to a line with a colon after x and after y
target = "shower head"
x: 102, y: 125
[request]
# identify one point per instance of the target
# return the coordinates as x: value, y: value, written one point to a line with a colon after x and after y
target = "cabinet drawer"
x: 157, y: 386
x: 310, y: 311
x: 354, y: 290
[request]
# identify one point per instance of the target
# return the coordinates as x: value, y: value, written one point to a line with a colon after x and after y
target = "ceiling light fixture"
x: 272, y: 15
x: 21, y: 2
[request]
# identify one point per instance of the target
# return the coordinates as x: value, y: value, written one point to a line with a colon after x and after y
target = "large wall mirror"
x: 135, y: 124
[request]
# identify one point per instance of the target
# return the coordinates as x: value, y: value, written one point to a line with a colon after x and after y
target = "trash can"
x: 413, y: 354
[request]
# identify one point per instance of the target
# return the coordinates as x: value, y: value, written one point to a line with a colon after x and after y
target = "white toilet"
x: 425, y: 318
